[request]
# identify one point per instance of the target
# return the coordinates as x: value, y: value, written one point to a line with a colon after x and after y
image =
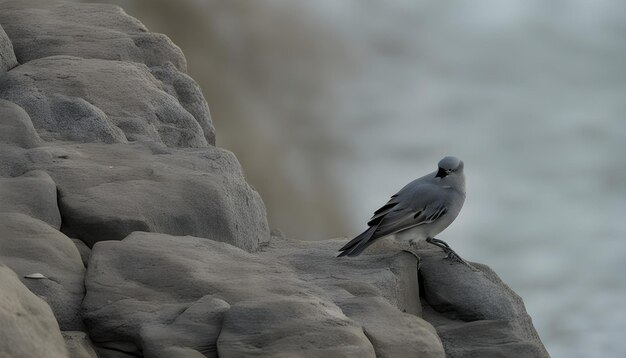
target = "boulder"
x: 88, y: 100
x: 108, y: 191
x: 45, y: 28
x: 393, y: 333
x: 290, y: 327
x: 29, y: 329
x: 16, y: 127
x: 380, y: 292
x: 42, y: 28
x: 7, y: 56
x: 138, y: 286
x: 33, y: 194
x: 29, y: 246
x: 474, y: 312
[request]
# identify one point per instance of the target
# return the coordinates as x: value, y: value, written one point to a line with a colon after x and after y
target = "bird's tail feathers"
x: 359, y: 243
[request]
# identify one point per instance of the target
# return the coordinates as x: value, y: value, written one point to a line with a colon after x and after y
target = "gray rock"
x: 290, y: 327
x: 137, y: 286
x: 33, y: 194
x: 83, y: 250
x: 16, y: 128
x: 89, y: 100
x: 391, y: 274
x: 29, y: 329
x: 13, y: 160
x: 474, y: 312
x: 188, y: 93
x: 7, y: 56
x: 28, y: 246
x: 78, y: 345
x: 393, y: 333
x: 376, y: 291
x: 198, y: 326
x: 42, y: 28
x: 108, y: 191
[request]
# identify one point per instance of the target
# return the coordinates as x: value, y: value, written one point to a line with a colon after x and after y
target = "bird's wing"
x: 422, y: 204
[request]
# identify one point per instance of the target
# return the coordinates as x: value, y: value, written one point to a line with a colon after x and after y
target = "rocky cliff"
x: 124, y: 231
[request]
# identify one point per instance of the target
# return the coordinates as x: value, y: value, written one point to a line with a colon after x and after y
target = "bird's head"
x: 450, y: 167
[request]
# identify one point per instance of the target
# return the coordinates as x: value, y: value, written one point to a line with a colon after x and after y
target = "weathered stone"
x: 391, y: 274
x: 393, y: 333
x: 42, y: 28
x: 78, y: 345
x: 83, y: 250
x: 188, y: 93
x: 88, y: 100
x: 290, y: 327
x: 198, y: 327
x: 13, y: 160
x: 16, y: 128
x: 474, y: 312
x: 149, y: 280
x: 33, y: 194
x: 28, y: 246
x: 108, y: 191
x: 29, y: 329
x: 7, y: 56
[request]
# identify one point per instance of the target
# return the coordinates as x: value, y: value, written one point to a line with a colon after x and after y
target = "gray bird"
x: 421, y: 210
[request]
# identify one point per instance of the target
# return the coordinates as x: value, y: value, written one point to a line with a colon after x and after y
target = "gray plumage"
x: 422, y: 209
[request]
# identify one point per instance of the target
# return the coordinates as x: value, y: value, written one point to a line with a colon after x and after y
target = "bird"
x: 420, y: 210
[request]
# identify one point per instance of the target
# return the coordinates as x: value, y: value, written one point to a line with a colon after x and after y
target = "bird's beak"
x: 441, y: 173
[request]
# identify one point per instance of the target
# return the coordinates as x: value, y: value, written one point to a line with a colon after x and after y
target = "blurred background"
x: 332, y: 106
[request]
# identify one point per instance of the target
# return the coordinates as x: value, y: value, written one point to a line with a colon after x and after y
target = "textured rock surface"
x: 7, y: 56
x: 78, y: 345
x: 33, y: 194
x: 148, y: 280
x: 43, y: 29
x: 108, y: 191
x: 475, y: 313
x: 16, y: 127
x: 28, y: 246
x: 89, y: 100
x: 28, y: 329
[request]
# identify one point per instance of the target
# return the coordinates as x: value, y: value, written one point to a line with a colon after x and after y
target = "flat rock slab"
x: 28, y: 325
x: 391, y: 274
x: 108, y: 191
x: 138, y: 286
x: 30, y: 246
x: 474, y: 312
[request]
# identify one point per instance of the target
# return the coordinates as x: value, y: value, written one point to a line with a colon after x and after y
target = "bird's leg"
x: 450, y: 254
x: 432, y: 239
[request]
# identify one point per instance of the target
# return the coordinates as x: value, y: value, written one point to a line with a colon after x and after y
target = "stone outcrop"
x: 474, y: 312
x: 141, y: 238
x: 28, y: 325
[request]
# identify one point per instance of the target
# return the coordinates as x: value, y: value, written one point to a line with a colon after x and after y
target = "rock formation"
x: 141, y: 238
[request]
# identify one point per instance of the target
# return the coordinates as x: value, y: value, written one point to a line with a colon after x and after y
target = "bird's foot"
x: 451, y: 255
